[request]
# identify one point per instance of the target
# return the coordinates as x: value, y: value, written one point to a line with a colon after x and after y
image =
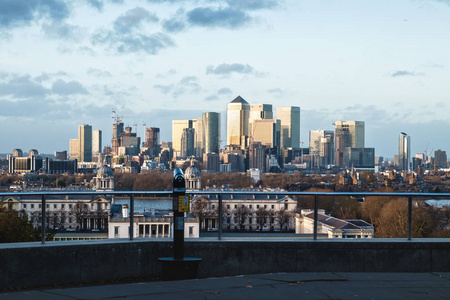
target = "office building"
x: 440, y: 158
x: 152, y: 140
x: 259, y: 112
x: 267, y: 132
x: 321, y: 146
x: 187, y: 142
x: 237, y: 122
x: 74, y: 149
x: 197, y: 124
x: 211, y: 132
x: 347, y: 134
x: 178, y: 127
x: 17, y: 153
x: 97, y: 141
x: 61, y: 155
x: 85, y: 143
x: 404, y: 151
x: 117, y: 132
x: 289, y: 117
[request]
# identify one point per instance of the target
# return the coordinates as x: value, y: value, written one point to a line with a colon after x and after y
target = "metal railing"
x: 219, y: 194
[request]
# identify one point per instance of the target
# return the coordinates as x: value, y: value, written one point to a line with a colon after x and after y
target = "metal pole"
x: 43, y: 209
x: 220, y: 216
x: 179, y: 189
x: 316, y: 208
x: 409, y: 217
x: 131, y: 216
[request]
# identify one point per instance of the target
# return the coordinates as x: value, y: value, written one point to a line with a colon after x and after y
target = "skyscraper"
x: 267, y: 132
x: 211, y: 132
x: 85, y: 142
x: 321, y: 145
x: 237, y: 122
x: 355, y: 131
x: 289, y: 117
x: 97, y: 141
x: 404, y: 151
x: 178, y: 127
x: 259, y: 112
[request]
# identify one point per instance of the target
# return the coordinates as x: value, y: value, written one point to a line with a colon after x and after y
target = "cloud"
x: 174, y: 25
x: 98, y: 73
x: 17, y: 13
x: 406, y: 73
x: 133, y: 18
x: 61, y: 30
x: 129, y: 36
x: 252, y: 4
x: 22, y: 87
x: 224, y: 91
x: 68, y: 88
x: 227, y: 69
x: 211, y: 98
x: 218, y: 17
x: 98, y: 4
x: 188, y: 84
x: 168, y: 73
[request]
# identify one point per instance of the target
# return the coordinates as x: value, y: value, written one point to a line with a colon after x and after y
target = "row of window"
x: 55, y: 206
x: 250, y: 206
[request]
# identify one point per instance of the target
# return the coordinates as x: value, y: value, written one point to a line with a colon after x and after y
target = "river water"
x: 147, y: 205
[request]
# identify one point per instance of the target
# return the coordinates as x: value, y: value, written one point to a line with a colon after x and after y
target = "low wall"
x: 64, y: 263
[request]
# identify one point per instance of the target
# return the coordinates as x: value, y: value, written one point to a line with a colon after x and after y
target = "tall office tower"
x: 117, y: 132
x: 321, y: 146
x: 97, y: 141
x: 440, y: 159
x: 257, y: 157
x: 237, y: 122
x: 267, y: 132
x: 130, y: 143
x: 85, y: 140
x: 197, y: 124
x: 211, y: 132
x: 290, y: 126
x: 152, y: 136
x: 178, y: 127
x: 404, y: 151
x: 187, y: 142
x: 355, y: 130
x: 61, y: 155
x: 259, y: 112
x: 74, y: 149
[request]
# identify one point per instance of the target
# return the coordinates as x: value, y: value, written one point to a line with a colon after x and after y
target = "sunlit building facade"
x: 237, y: 122
x: 289, y: 117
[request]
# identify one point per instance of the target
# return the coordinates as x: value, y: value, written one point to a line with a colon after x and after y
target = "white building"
x: 332, y: 227
x: 153, y: 224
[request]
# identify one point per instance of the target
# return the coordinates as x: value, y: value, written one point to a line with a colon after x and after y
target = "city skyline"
x: 70, y: 63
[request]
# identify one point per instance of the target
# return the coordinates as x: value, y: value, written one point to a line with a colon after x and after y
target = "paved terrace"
x: 264, y: 286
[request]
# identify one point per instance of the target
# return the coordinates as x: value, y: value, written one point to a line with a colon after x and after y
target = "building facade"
x: 237, y: 122
x: 289, y: 117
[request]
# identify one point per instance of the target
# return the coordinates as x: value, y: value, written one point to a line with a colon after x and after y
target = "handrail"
x: 45, y: 193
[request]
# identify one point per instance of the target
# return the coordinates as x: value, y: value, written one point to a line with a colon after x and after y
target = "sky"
x: 66, y: 63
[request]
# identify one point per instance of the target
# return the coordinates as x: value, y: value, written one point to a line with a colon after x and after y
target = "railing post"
x: 409, y: 217
x: 43, y: 209
x: 131, y: 216
x: 220, y: 213
x: 316, y: 209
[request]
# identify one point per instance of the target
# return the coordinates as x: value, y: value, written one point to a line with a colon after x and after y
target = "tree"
x: 15, y: 227
x: 200, y: 209
x: 80, y: 211
x: 283, y: 218
x: 261, y: 216
x: 241, y: 214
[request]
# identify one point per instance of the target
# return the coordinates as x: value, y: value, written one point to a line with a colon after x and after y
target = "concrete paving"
x: 264, y: 286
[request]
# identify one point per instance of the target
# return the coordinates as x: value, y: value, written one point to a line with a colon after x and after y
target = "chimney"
x: 125, y: 210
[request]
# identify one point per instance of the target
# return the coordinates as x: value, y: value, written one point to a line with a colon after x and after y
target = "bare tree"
x: 283, y: 218
x: 200, y: 209
x: 261, y: 216
x: 80, y: 211
x: 241, y: 214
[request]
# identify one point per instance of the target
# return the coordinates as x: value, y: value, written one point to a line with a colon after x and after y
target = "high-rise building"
x: 404, y: 151
x: 187, y: 142
x: 440, y: 159
x: 74, y: 149
x: 178, y: 127
x: 321, y: 144
x: 289, y: 117
x: 211, y: 132
x: 85, y: 141
x: 17, y: 153
x: 199, y: 136
x: 117, y: 132
x: 237, y: 122
x: 355, y: 131
x: 267, y: 132
x: 97, y: 141
x: 259, y: 112
x: 347, y: 134
x: 152, y: 137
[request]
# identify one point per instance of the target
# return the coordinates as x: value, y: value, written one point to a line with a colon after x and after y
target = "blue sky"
x: 65, y: 63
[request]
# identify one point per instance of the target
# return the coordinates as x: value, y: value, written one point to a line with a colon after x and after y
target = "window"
x: 213, y: 206
x: 62, y: 206
x: 191, y: 230
x: 70, y: 206
x: 228, y: 206
x: 116, y: 231
x: 48, y: 205
x: 265, y: 206
x: 24, y: 206
x: 273, y: 206
x: 32, y: 205
x: 55, y: 206
x: 235, y: 206
x: 70, y: 220
x: 250, y: 206
x: 40, y: 206
x: 257, y: 206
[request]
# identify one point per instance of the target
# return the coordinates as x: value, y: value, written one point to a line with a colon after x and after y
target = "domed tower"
x: 192, y: 177
x: 104, y: 181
